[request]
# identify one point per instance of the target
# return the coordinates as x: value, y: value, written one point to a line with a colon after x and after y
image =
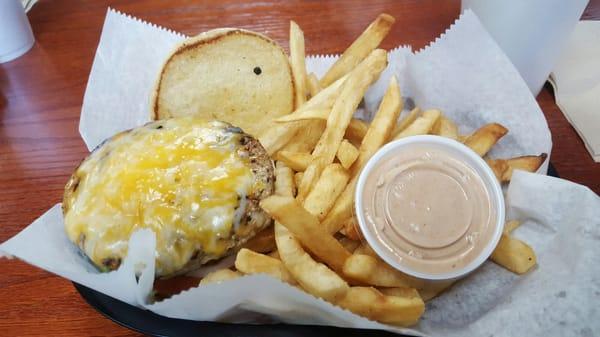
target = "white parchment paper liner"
x: 462, y: 73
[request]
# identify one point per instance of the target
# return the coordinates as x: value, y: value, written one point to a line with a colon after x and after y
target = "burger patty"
x: 197, y: 184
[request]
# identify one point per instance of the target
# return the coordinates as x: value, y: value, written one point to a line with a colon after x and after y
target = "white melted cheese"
x: 184, y: 181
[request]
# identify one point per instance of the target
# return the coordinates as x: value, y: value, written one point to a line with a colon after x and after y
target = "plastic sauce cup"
x: 450, y: 240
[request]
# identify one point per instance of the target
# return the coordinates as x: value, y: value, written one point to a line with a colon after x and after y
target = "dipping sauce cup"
x: 430, y: 207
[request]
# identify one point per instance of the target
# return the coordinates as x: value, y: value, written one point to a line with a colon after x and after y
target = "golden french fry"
x: 445, y: 128
x: 284, y: 183
x: 359, y: 49
x: 462, y: 138
x: 220, y: 275
x: 279, y: 135
x: 305, y: 114
x: 310, y: 177
x: 314, y: 277
x: 352, y: 93
x: 381, y: 126
x: 312, y: 84
x: 306, y: 228
x: 498, y: 166
x: 511, y: 226
x: 263, y: 242
x: 400, y: 292
x: 514, y: 255
x: 421, y: 126
x: 329, y: 186
x: 249, y: 262
x: 406, y: 121
x: 297, y: 62
x: 347, y: 154
x: 349, y: 245
x: 306, y: 139
x: 372, y: 271
x: 370, y: 303
x: 356, y: 131
x: 432, y: 289
x: 482, y: 140
x: 298, y: 178
x: 503, y: 168
x: 297, y: 161
x: 342, y: 209
x: 350, y: 229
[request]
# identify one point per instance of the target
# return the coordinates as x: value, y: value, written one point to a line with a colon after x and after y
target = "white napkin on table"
x: 576, y: 82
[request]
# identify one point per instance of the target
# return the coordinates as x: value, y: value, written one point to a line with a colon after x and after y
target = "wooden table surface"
x: 41, y: 95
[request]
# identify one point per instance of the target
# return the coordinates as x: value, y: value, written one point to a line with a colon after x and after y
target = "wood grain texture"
x: 41, y: 95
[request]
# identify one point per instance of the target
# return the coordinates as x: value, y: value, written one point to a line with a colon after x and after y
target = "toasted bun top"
x: 228, y: 74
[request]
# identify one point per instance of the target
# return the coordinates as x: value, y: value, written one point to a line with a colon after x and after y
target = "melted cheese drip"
x: 183, y: 181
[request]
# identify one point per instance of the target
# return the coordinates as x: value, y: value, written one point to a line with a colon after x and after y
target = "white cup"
x: 16, y: 37
x: 458, y: 151
x: 532, y: 33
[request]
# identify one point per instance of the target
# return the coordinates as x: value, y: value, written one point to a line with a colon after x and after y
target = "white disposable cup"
x: 459, y: 151
x: 16, y: 37
x: 532, y: 33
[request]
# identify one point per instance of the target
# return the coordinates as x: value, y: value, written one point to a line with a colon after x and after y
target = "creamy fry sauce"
x: 432, y: 211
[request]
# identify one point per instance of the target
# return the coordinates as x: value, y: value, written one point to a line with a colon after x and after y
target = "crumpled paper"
x: 462, y: 73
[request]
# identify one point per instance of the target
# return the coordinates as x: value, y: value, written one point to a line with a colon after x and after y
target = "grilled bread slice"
x: 233, y: 75
x: 196, y: 184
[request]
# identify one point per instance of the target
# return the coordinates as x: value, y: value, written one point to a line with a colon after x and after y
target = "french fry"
x: 503, y: 168
x: 482, y: 140
x: 372, y: 271
x: 314, y: 277
x: 297, y: 62
x: 329, y: 186
x: 356, y: 131
x: 310, y: 177
x: 359, y: 49
x: 284, y: 184
x: 250, y: 262
x: 350, y: 229
x: 279, y: 135
x: 400, y: 292
x: 421, y: 126
x: 381, y: 126
x: 406, y: 121
x: 298, y: 178
x: 297, y: 161
x: 219, y: 276
x: 462, y: 138
x: 312, y: 84
x: 263, y: 242
x: 306, y: 139
x: 514, y: 255
x: 445, y: 128
x: 511, y: 226
x: 342, y: 209
x: 349, y: 245
x: 352, y: 92
x: 370, y: 303
x: 347, y: 154
x: 305, y: 114
x: 306, y: 228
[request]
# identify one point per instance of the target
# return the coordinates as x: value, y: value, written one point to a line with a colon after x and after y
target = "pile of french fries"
x: 320, y: 150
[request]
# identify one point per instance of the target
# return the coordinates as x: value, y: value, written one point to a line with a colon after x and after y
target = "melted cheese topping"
x: 182, y: 178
